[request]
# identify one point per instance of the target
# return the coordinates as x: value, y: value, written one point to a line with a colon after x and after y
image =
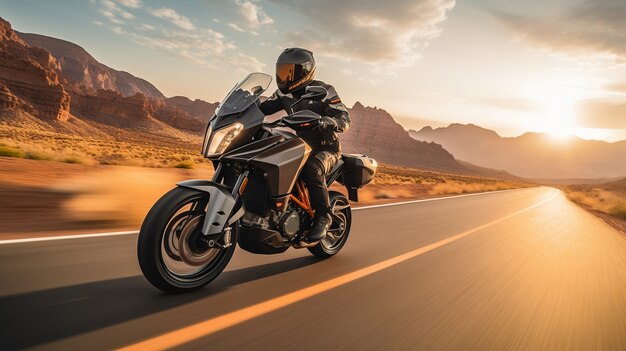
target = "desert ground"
x: 45, y: 196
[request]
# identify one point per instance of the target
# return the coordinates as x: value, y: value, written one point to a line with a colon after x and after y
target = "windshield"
x: 244, y: 94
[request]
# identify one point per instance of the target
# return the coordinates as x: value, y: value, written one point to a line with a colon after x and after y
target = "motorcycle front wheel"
x: 173, y: 254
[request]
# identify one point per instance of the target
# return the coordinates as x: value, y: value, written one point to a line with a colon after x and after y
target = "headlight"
x: 220, y: 139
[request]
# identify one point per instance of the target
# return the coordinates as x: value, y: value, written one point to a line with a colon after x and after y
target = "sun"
x: 558, y: 117
x: 556, y: 110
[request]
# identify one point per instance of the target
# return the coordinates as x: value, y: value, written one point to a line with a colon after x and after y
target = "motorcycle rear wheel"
x: 172, y: 253
x: 339, y: 229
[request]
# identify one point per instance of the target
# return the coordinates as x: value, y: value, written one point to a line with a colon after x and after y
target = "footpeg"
x: 303, y: 244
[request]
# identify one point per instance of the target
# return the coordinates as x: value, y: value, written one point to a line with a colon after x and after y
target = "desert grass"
x: 439, y: 183
x: 609, y: 198
x: 78, y: 149
x: 8, y: 151
x: 454, y: 187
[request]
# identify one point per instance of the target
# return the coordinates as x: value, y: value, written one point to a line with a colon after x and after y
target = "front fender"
x: 220, y: 211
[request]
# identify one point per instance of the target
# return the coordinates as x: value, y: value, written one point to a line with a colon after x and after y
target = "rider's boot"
x: 321, y: 223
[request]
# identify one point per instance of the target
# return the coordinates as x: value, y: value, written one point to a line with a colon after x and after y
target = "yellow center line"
x: 213, y: 325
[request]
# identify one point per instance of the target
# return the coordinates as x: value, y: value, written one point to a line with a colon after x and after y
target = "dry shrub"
x: 185, y: 165
x: 619, y: 210
x: 454, y: 187
x: 73, y: 160
x: 599, y: 199
x: 8, y: 151
x: 35, y: 155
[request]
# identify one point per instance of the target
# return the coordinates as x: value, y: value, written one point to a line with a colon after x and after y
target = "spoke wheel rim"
x: 183, y: 255
x: 336, y: 231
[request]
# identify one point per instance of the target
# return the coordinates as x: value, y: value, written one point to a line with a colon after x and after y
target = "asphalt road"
x: 522, y: 269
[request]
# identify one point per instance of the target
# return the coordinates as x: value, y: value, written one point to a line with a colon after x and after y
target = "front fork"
x: 221, y: 203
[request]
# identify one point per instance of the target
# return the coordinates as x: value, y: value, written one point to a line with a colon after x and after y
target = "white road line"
x: 131, y: 232
x: 433, y: 199
x: 63, y: 237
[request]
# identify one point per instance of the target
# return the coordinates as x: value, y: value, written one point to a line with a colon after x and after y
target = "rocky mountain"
x: 374, y: 132
x: 198, y: 109
x: 531, y: 155
x: 29, y: 78
x: 70, y: 84
x: 80, y: 71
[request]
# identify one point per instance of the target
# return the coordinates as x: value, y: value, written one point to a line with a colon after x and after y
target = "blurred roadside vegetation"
x: 52, y: 181
x: 608, y: 198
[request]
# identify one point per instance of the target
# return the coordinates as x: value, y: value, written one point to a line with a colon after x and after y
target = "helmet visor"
x: 285, y: 73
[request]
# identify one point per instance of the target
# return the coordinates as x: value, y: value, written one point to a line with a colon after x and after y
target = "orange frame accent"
x: 303, y: 198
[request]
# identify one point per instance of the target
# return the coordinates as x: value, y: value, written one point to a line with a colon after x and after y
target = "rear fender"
x: 223, y: 209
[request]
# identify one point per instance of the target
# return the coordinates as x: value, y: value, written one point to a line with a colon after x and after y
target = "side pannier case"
x: 358, y: 170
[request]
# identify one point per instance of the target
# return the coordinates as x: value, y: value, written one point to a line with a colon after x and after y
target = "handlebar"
x: 276, y: 123
x: 300, y: 120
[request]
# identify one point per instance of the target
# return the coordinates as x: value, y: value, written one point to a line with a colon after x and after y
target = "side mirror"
x: 315, y: 93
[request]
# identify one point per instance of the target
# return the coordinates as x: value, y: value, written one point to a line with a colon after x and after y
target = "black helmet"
x: 295, y: 69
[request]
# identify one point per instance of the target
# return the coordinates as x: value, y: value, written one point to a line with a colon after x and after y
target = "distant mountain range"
x: 79, y: 70
x: 374, y: 132
x: 63, y: 87
x: 531, y: 155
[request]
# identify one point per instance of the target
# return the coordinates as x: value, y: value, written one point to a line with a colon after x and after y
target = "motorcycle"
x: 255, y: 199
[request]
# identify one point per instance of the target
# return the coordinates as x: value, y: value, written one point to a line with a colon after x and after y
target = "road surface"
x: 522, y: 269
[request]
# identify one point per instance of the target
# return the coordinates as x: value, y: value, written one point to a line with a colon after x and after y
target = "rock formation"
x: 7, y: 99
x: 31, y: 74
x: 198, y: 109
x: 374, y: 132
x: 112, y: 108
x: 80, y: 71
x: 114, y: 104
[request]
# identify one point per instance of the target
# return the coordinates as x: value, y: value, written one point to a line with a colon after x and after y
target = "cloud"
x: 372, y: 31
x: 174, y: 17
x: 247, y: 64
x: 203, y: 46
x: 111, y: 16
x: 619, y: 88
x: 513, y: 104
x: 135, y: 4
x: 114, y: 13
x: 253, y: 14
x: 127, y: 15
x: 235, y: 26
x: 108, y: 4
x: 599, y: 114
x: 145, y: 26
x: 590, y: 32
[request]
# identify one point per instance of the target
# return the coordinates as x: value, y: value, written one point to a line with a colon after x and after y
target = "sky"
x: 511, y: 66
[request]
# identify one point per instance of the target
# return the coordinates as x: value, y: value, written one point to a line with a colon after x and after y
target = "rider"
x: 295, y: 70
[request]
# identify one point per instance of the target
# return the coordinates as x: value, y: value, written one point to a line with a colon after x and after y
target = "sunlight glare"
x: 557, y: 110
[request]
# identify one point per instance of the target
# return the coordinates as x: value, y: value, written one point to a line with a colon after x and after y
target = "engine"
x: 290, y: 223
x: 286, y: 223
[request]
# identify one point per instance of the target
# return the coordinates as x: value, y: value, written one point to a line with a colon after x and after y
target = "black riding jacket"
x: 331, y: 106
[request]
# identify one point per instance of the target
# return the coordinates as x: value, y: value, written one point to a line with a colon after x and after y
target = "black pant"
x: 314, y: 172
